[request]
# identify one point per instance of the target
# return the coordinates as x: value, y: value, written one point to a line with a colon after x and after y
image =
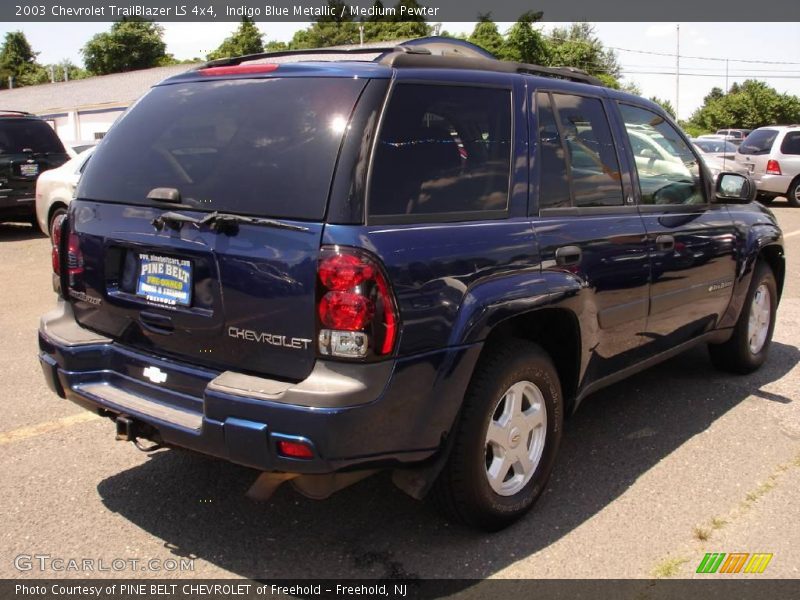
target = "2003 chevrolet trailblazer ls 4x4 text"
x: 420, y: 262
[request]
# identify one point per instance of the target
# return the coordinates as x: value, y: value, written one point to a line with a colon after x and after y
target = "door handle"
x: 665, y: 242
x: 568, y: 256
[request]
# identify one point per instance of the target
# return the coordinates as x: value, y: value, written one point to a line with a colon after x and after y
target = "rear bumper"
x: 354, y: 416
x: 17, y: 204
x: 773, y: 184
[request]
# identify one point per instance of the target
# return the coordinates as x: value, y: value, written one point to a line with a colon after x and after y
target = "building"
x: 81, y: 111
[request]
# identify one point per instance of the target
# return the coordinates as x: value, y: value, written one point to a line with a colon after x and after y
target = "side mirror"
x: 648, y: 153
x: 733, y: 187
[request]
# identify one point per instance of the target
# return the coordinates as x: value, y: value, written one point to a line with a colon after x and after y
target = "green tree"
x: 665, y: 104
x: 524, y: 43
x: 336, y: 30
x: 748, y: 105
x: 247, y: 39
x: 65, y: 70
x: 18, y: 61
x: 578, y: 46
x: 131, y: 44
x: 487, y: 36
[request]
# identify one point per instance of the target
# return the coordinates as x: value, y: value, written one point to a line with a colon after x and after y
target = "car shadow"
x: 17, y: 232
x: 372, y: 530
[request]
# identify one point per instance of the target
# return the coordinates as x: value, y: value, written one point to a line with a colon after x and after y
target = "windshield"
x: 19, y: 135
x: 758, y: 142
x: 264, y: 147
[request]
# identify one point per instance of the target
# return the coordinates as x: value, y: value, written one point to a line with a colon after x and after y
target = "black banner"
x: 715, y: 587
x: 432, y: 11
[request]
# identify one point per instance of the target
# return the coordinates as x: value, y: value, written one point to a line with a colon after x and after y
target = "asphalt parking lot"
x: 654, y: 472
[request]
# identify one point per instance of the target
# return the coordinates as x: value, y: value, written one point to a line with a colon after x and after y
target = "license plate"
x: 29, y: 170
x: 165, y: 280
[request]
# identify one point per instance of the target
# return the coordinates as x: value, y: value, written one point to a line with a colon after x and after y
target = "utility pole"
x: 726, y: 75
x: 678, y: 73
x: 361, y: 34
x: 52, y: 74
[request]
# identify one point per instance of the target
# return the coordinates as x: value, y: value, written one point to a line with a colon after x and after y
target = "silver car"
x: 772, y: 158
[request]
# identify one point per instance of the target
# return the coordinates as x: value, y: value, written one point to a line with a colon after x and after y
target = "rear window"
x: 758, y: 142
x: 18, y: 135
x: 791, y: 143
x: 264, y: 147
x: 443, y: 149
x: 715, y: 145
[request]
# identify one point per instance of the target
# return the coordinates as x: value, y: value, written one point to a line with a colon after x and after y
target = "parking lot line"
x: 792, y: 234
x: 24, y: 433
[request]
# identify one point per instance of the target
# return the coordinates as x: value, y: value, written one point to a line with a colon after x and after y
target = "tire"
x: 793, y: 194
x: 748, y: 347
x: 53, y: 216
x: 532, y: 435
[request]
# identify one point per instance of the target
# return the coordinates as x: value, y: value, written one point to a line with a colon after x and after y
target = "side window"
x: 553, y: 180
x: 669, y: 172
x: 442, y: 149
x: 791, y: 143
x: 594, y: 169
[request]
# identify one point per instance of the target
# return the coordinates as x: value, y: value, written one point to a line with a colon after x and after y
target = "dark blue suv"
x: 420, y: 262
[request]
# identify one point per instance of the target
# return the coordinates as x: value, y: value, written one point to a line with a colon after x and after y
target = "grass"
x: 669, y: 567
x: 718, y: 523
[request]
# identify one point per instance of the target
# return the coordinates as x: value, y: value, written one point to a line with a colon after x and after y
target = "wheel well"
x: 773, y: 256
x: 53, y: 207
x: 557, y: 331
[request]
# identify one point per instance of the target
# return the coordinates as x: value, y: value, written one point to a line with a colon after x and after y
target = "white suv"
x: 772, y: 157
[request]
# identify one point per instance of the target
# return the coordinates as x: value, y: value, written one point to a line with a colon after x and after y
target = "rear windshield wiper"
x: 220, y: 222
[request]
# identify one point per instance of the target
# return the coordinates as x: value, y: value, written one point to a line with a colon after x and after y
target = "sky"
x: 639, y: 48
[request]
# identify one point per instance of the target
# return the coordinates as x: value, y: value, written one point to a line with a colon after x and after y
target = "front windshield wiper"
x: 220, y: 222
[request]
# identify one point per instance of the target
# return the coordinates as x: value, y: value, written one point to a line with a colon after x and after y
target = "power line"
x: 673, y: 55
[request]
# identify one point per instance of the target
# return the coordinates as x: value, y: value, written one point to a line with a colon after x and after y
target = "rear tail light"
x: 356, y: 310
x: 55, y: 252
x: 74, y: 256
x: 773, y: 168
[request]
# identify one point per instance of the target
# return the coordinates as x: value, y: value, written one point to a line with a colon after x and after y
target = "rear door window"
x: 443, y: 150
x: 578, y: 160
x: 791, y: 143
x: 19, y: 135
x: 263, y: 147
x: 758, y: 142
x: 669, y: 172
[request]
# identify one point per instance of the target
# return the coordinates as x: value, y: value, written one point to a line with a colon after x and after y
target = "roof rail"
x: 422, y: 46
x: 16, y: 112
x: 434, y: 52
x: 418, y: 61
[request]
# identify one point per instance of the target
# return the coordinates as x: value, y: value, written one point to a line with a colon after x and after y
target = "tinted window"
x: 553, y: 181
x: 758, y: 142
x: 18, y: 135
x: 251, y: 146
x: 791, y: 143
x: 442, y: 149
x: 669, y: 172
x: 596, y: 179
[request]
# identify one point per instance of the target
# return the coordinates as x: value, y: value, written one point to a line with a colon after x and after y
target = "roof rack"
x: 422, y: 46
x: 433, y: 52
x: 487, y: 64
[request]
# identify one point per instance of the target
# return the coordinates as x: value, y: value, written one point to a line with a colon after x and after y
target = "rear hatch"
x: 198, y: 221
x: 755, y: 150
x: 28, y: 146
